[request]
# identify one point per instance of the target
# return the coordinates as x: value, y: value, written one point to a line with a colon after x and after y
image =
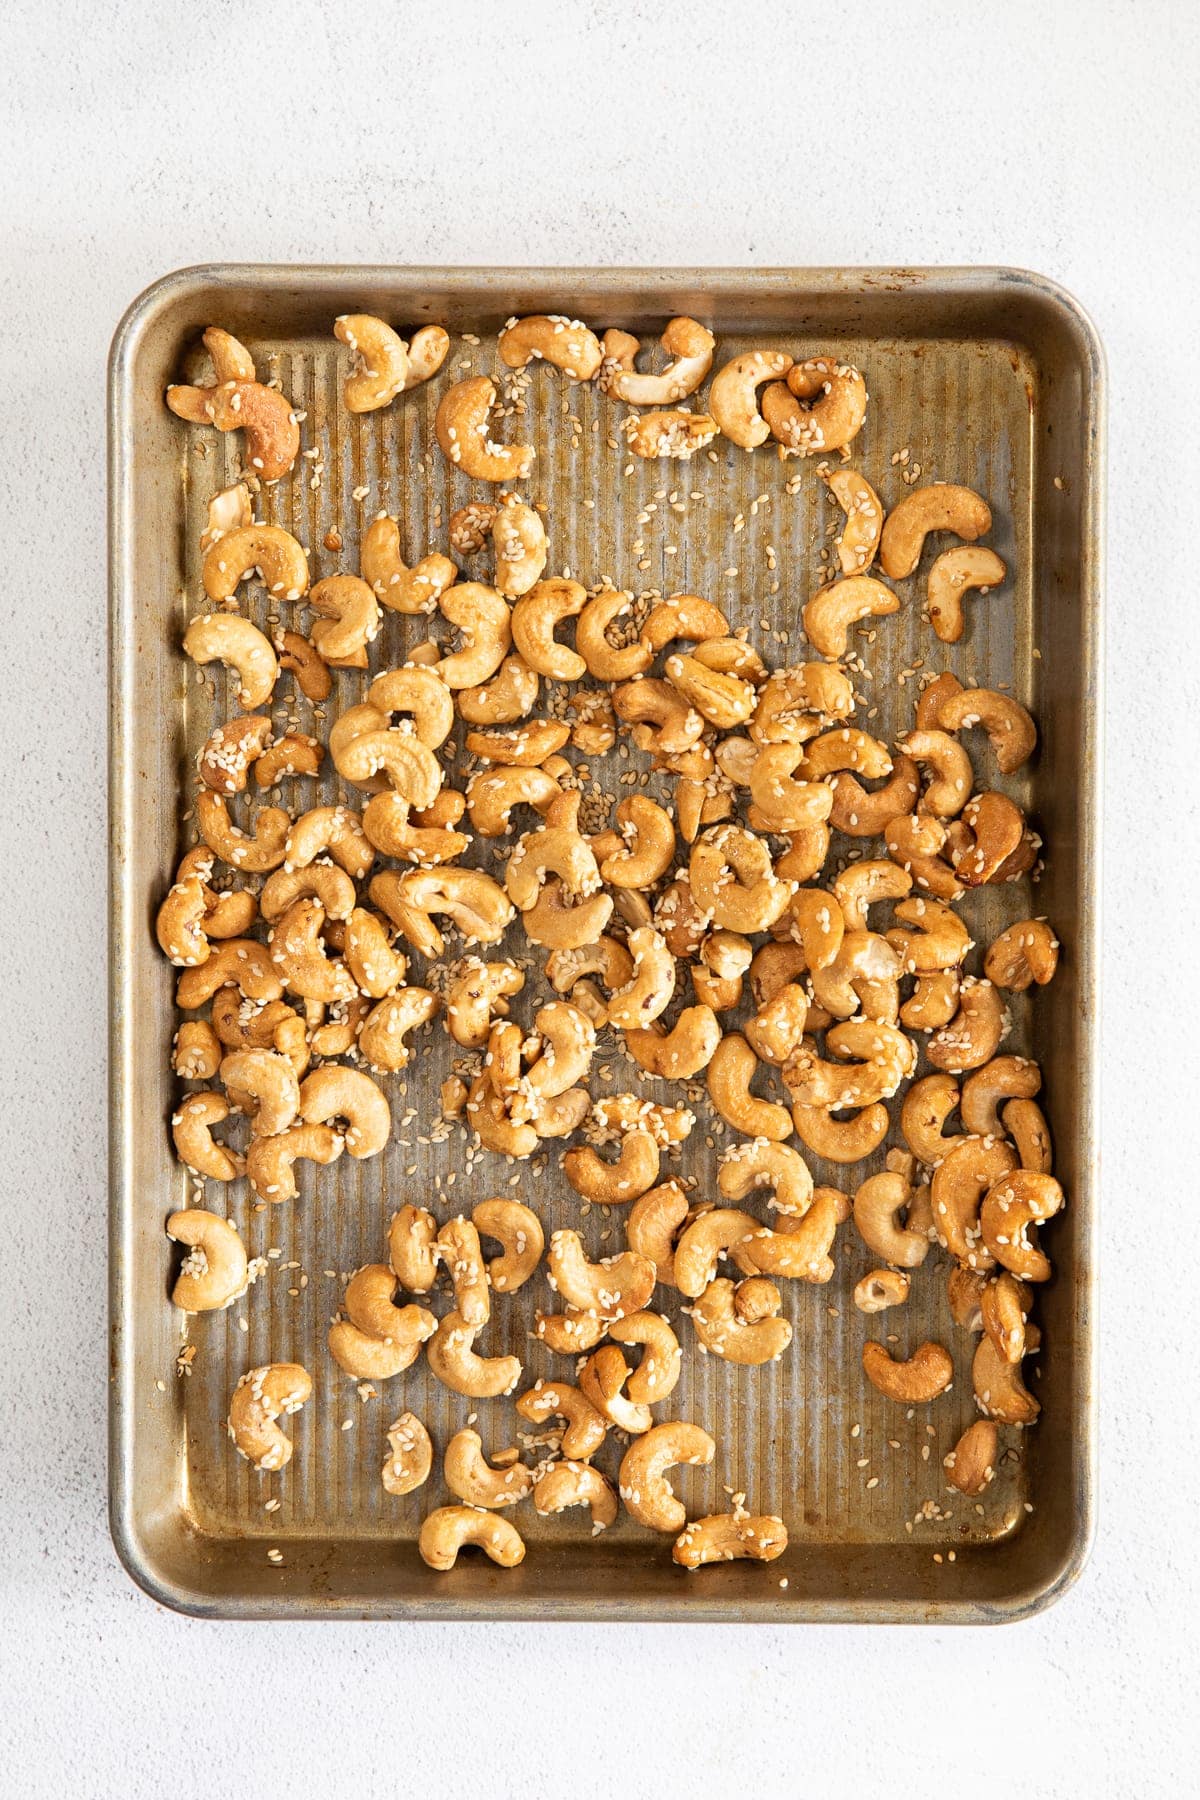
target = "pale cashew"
x: 1010, y: 729
x: 225, y: 760
x: 566, y: 1484
x: 259, y: 1398
x: 227, y: 511
x: 457, y: 1366
x: 1026, y: 952
x: 658, y: 1373
x: 270, y: 1161
x: 334, y: 1092
x: 674, y: 725
x: 215, y: 1270
x: 382, y: 365
x: 820, y: 407
x: 602, y: 1380
x: 472, y: 899
x: 195, y: 1146
x: 725, y: 1331
x: 227, y: 638
x: 196, y: 1051
x: 378, y: 1339
x: 335, y: 829
x: 832, y: 610
x: 567, y: 343
x: 609, y: 1289
x: 586, y: 1428
x: 642, y: 1482
x: 507, y: 697
x: 372, y: 754
x: 410, y: 1455
x: 534, y: 619
x: 841, y: 1140
x: 492, y: 794
x: 674, y: 432
x: 878, y: 1203
x: 730, y: 1073
x: 412, y: 1248
x: 648, y: 845
x: 974, y: 1034
x: 971, y: 1465
x: 1011, y: 1209
x: 781, y: 803
x: 1025, y: 1123
x: 725, y: 700
x: 520, y: 1233
x: 881, y: 1289
x: 953, y: 575
x: 263, y: 1085
x: 970, y: 1167
x: 292, y: 754
x: 298, y: 952
x: 648, y: 991
x: 478, y: 995
x: 927, y: 1373
x: 462, y: 432
x: 680, y: 1053
x: 238, y: 402
x: 865, y: 884
x: 859, y: 538
x: 733, y: 396
x: 471, y: 1478
x: 689, y: 343
x: 943, y: 506
x: 485, y: 624
x: 726, y: 1537
x: 916, y: 842
x: 1003, y: 1078
x: 378, y: 969
x: 382, y: 1040
x: 1000, y: 1391
x: 458, y: 1250
x: 394, y: 584
x: 950, y: 788
x: 298, y: 656
x: 267, y: 551
x: 447, y: 1530
x: 650, y: 1229
x: 701, y: 1243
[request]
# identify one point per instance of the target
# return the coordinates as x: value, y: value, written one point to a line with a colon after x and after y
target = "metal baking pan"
x: 989, y: 376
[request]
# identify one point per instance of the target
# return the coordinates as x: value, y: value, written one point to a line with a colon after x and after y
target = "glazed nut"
x: 1025, y: 953
x: 686, y: 341
x: 238, y: 402
x: 332, y: 830
x: 971, y: 1465
x: 412, y: 1248
x: 648, y: 845
x: 878, y: 1202
x: 974, y: 1034
x: 410, y: 1455
x: 536, y: 617
x: 472, y: 1479
x: 880, y: 1289
x: 760, y: 1163
x: 215, y: 1270
x: 260, y: 1397
x: 585, y: 1427
x: 531, y: 744
x: 923, y: 1114
x: 943, y: 506
x: 557, y: 847
x: 955, y: 573
x: 383, y: 368
x: 724, y: 699
x: 395, y: 585
x: 783, y: 803
x: 1011, y: 1209
x: 970, y: 1167
x: 334, y: 1092
x: 927, y: 1373
x: 1009, y: 727
x: 1003, y: 1078
x: 469, y: 897
x: 732, y: 880
x: 518, y: 1231
x: 227, y: 638
x: 459, y: 1252
x: 195, y: 1146
x: 1000, y: 1391
x: 730, y: 1072
x: 820, y: 407
x: 378, y: 1339
x: 651, y: 1225
x: 950, y: 788
x: 553, y: 338
x: 271, y: 1161
x: 728, y: 1537
x: 196, y: 1052
x: 724, y: 1330
x: 268, y: 552
x: 457, y: 1365
x: 462, y: 430
x: 446, y: 1531
x: 602, y: 1380
x: 383, y: 1039
x: 642, y: 1482
x: 231, y: 748
x: 300, y: 657
x: 832, y: 610
x: 680, y: 1053
x: 733, y: 396
x: 658, y: 1372
x: 263, y: 1085
x: 604, y: 659
x: 566, y: 1484
x: 648, y: 991
x: 492, y: 794
x: 609, y: 1289
x: 671, y: 432
x: 702, y: 1241
x: 859, y: 538
x: 480, y: 994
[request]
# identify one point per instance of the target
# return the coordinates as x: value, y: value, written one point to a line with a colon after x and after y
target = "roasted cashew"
x: 726, y: 1537
x: 1025, y: 1123
x: 225, y: 760
x: 292, y: 754
x: 534, y: 620
x: 335, y: 829
x: 461, y: 426
x: 642, y: 1483
x: 457, y: 1366
x: 728, y: 1332
x: 974, y: 1034
x: 557, y: 847
x: 566, y: 1484
x: 270, y: 1161
x: 253, y: 855
x: 410, y: 1455
x: 930, y: 938
x: 648, y: 845
x: 702, y: 1241
x: 517, y: 534
x: 915, y: 842
x: 468, y: 896
x: 864, y: 976
x: 1026, y: 952
x: 609, y: 1289
x: 262, y: 1085
x: 882, y: 1057
x: 471, y: 1478
x: 942, y: 506
x: 658, y: 1373
x: 459, y: 1252
x: 227, y: 638
x: 567, y: 343
x: 1000, y: 1391
x: 492, y: 794
x: 733, y: 396
x: 800, y: 1249
x: 865, y: 884
x: 680, y: 1053
x: 1004, y: 1304
x: 227, y: 511
x: 674, y: 723
x: 602, y: 1380
x: 676, y: 914
x: 378, y: 1339
x: 529, y: 746
x: 420, y: 693
x: 447, y: 1530
x: 673, y: 432
x: 243, y: 963
x: 238, y: 402
x: 373, y: 755
x: 797, y: 703
x: 300, y: 657
x: 725, y: 700
x: 950, y: 788
x: 782, y: 803
x: 832, y: 610
x: 859, y: 537
x: 761, y: 1163
x: 488, y: 1115
x: 520, y: 1233
x: 377, y: 968
x: 923, y: 1112
x: 841, y: 1140
x: 339, y: 1093
x: 878, y: 1203
x: 953, y: 575
x: 349, y: 620
x: 927, y: 1373
x: 215, y: 1270
x: 881, y: 1289
x: 394, y: 584
x: 1011, y: 1209
x: 586, y: 1428
x: 971, y: 1465
x: 248, y: 1025
x: 648, y: 991
x: 605, y: 660
x: 196, y: 1051
x: 821, y: 406
x: 381, y: 361
x: 382, y: 1040
x: 195, y: 1146
x: 689, y: 343
x: 1010, y: 729
x: 267, y: 551
x: 258, y: 1399
x: 863, y: 814
x: 179, y: 923
x: 985, y: 839
x: 650, y: 1229
x: 730, y: 1072
x: 970, y: 1167
x: 509, y: 696
x: 933, y: 1001
x: 1003, y: 1078
x: 478, y: 995
x: 731, y: 878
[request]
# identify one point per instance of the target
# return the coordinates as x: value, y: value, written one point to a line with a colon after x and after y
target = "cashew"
x: 730, y: 1073
x: 378, y: 1339
x: 931, y: 937
x: 863, y: 976
x: 821, y: 406
x: 381, y: 354
x: 196, y: 1051
x: 253, y: 855
x: 410, y: 1455
x: 520, y: 1233
x: 649, y: 845
x: 1010, y: 729
x: 534, y: 619
x: 227, y: 510
x: 488, y: 1115
x: 1026, y: 952
x: 179, y: 924
x: 1011, y: 1208
x: 226, y: 757
x: 1004, y: 1304
x: 688, y: 342
x: 376, y: 967
x: 267, y: 551
x: 878, y: 1203
x: 259, y: 1398
x: 701, y: 1243
x: 586, y: 1428
x: 797, y: 703
x: 241, y: 646
x: 781, y: 803
x: 445, y: 1532
x: 841, y: 1140
x: 609, y: 1289
x: 461, y: 426
x: 974, y: 1034
x: 1025, y: 1123
x: 971, y: 1465
x: 985, y: 839
x: 457, y: 1366
x: 263, y: 1085
x: 923, y: 1113
x: 675, y: 724
x: 653, y: 1221
x: 469, y: 1476
x: 970, y: 1167
x: 348, y: 1094
x: 726, y: 1537
x: 642, y: 1482
x: 725, y: 1331
x: 680, y: 1053
x: 863, y: 814
x: 927, y: 1373
x: 533, y: 743
x: 298, y: 656
x: 800, y: 1249
x: 238, y: 962
x: 673, y: 432
x: 291, y: 754
x: 915, y: 842
x: 725, y: 700
x: 412, y: 1248
x: 576, y: 1484
x: 1000, y: 1079
x: 1000, y: 1391
x: 865, y: 884
x: 394, y: 584
x: 298, y: 952
x: 859, y: 538
x: 648, y: 991
x: 760, y: 1163
x: 492, y: 795
x: 880, y: 1289
x: 943, y: 506
x: 953, y: 575
x: 832, y: 610
x: 731, y: 878
x: 195, y: 1146
x: 478, y: 995
x: 382, y: 1040
x: 458, y: 1249
x: 238, y: 402
x: 214, y: 1271
x: 882, y: 1057
x: 567, y: 343
x: 602, y: 1379
x: 733, y: 397
x: 472, y: 899
x: 270, y: 1161
x: 511, y: 693
x: 658, y: 1373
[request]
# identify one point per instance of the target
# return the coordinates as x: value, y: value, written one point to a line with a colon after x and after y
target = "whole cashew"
x: 604, y: 659
x: 196, y: 1051
x: 658, y: 1373
x: 927, y: 1373
x: 341, y: 1093
x: 470, y: 1477
x: 800, y: 1249
x: 300, y: 657
x: 1011, y: 1208
x: 878, y: 1203
x: 916, y: 842
x: 971, y: 1465
x: 567, y: 343
x: 797, y: 703
x: 930, y: 938
x: 195, y: 1146
x: 510, y: 695
x: 292, y: 754
x: 725, y: 700
x: 1026, y: 952
x: 675, y: 723
x: 447, y: 1530
x: 471, y: 898
x: 227, y: 638
x: 1010, y: 729
x: 859, y: 538
x: 243, y: 963
x: 832, y: 610
x: 263, y: 1085
x: 586, y: 1428
x: 650, y: 1229
x: 732, y: 879
x: 602, y: 1379
x: 377, y: 969
x: 531, y: 744
x: 1003, y: 1078
x: 733, y: 397
x: 648, y: 991
x: 394, y: 584
x: 954, y: 574
x: 863, y: 814
x: 1000, y: 1391
x: 298, y: 952
x: 841, y: 1140
x: 1004, y: 1304
x: 412, y: 1248
x: 253, y: 855
x: 609, y: 1289
x: 259, y: 1398
x: 492, y: 794
x: 689, y: 343
x: 970, y: 1167
x: 379, y: 1339
x: 863, y: 976
x: 725, y: 1331
x: 782, y: 803
x: 215, y: 1270
x: 760, y: 1163
x: 270, y: 1161
x: 701, y: 1243
x: 680, y: 1053
x: 231, y: 748
x: 461, y: 427
x: 649, y: 845
x: 478, y: 995
x: 458, y: 1250
x: 974, y: 1034
x: 923, y: 1113
x: 457, y: 1366
x: 519, y: 1231
x: 1025, y: 1123
x: 882, y: 1057
x: 642, y: 1482
x: 726, y: 1537
x: 383, y: 1038
x: 943, y: 506
x: 410, y: 1455
x: 730, y: 1072
x: 576, y: 1484
x: 534, y: 620
x: 820, y: 407
x: 349, y: 620
x: 335, y: 829
x: 950, y: 788
x: 267, y: 551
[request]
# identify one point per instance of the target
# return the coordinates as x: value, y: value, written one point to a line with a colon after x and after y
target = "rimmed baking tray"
x: 989, y: 376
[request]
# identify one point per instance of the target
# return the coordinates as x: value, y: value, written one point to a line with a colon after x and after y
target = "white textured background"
x: 134, y: 139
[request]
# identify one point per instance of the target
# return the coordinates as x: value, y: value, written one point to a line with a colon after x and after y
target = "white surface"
x: 1059, y: 137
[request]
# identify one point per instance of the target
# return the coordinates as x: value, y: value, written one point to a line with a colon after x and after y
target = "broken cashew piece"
x: 410, y: 1455
x: 859, y: 538
x: 566, y: 1484
x: 727, y: 1537
x: 955, y: 573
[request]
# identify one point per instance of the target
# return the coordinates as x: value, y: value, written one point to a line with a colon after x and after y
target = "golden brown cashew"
x: 471, y: 1478
x: 733, y: 397
x: 648, y: 991
x: 195, y: 1146
x: 953, y: 575
x: 378, y: 1339
x: 215, y: 1270
x: 1025, y: 1123
x: 179, y: 925
x: 1000, y: 1391
x: 927, y: 1373
x: 485, y: 625
x: 394, y: 584
x: 385, y: 364
x: 841, y: 1140
x: 650, y: 1229
x: 520, y: 1233
x: 673, y: 432
x: 479, y: 994
x: 859, y: 539
x: 567, y: 343
x: 820, y: 407
x: 605, y: 660
x: 974, y: 1034
x: 472, y: 899
x: 410, y: 1455
x: 732, y: 880
x: 243, y: 963
x: 291, y: 754
x: 800, y: 1249
x: 701, y: 1243
x: 649, y: 845
x: 335, y: 829
x: 349, y: 620
x: 950, y: 788
x: 971, y: 1465
x: 881, y: 1056
x: 1004, y: 1304
x: 986, y: 839
x: 658, y: 1373
x: 1026, y: 952
x: 258, y: 1399
x: 761, y: 1163
x: 461, y: 427
x: 923, y: 1112
x: 530, y: 745
x: 534, y: 620
x: 586, y: 1428
x: 253, y: 855
x: 447, y: 1530
x: 933, y: 1001
x: 196, y: 1051
x: 341, y: 1093
x: 689, y: 343
x: 725, y: 700
x: 781, y: 803
x: 270, y: 1161
x: 863, y: 885
x: 916, y: 842
x: 726, y: 1537
x: 797, y: 703
x: 730, y: 1072
x: 608, y: 1289
x: 878, y: 1203
x: 686, y: 617
x: 1003, y: 1078
x: 881, y: 1289
x: 492, y: 794
x: 576, y: 1484
x: 602, y: 1379
x: 241, y: 646
x: 863, y: 814
x: 1010, y: 729
x: 929, y: 938
x: 557, y: 847
x: 225, y: 760
x: 238, y: 402
x: 1011, y: 1209
x: 676, y: 725
x: 680, y: 1053
x: 458, y: 1250
x: 298, y: 656
x: 382, y: 1040
x: 267, y: 551
x: 373, y: 755
x: 378, y: 969
x: 262, y: 1085
x: 832, y: 610
x: 726, y: 1331
x: 298, y: 952
x: 419, y: 692
x: 508, y: 697
x: 863, y: 976
x: 457, y: 1366
x: 643, y: 1484
x: 488, y: 1115
x: 412, y: 1248
x: 943, y: 506
x: 970, y: 1167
